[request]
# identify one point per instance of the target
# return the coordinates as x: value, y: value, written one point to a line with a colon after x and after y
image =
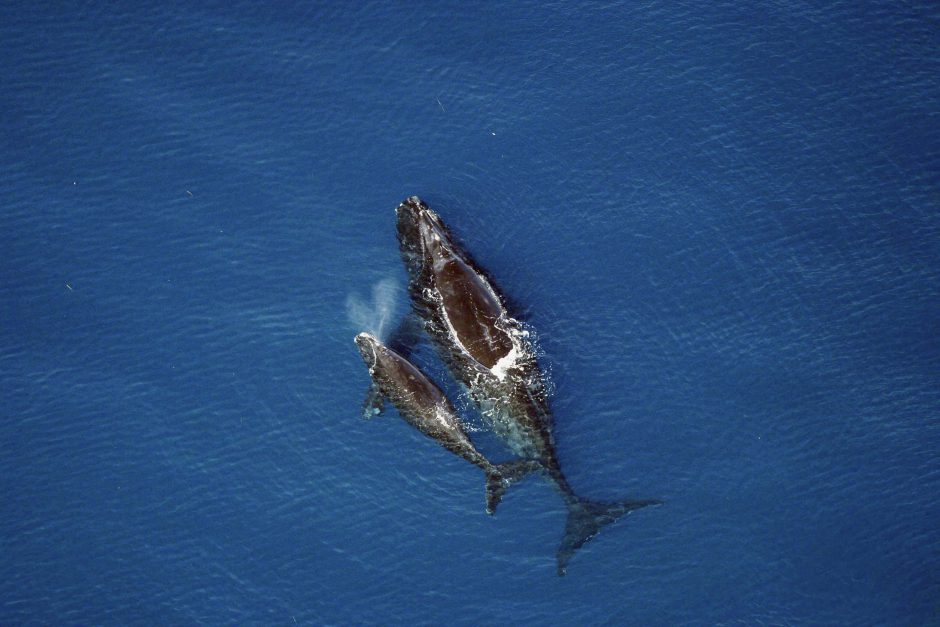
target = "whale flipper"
x: 502, y: 476
x: 374, y: 404
x: 586, y: 519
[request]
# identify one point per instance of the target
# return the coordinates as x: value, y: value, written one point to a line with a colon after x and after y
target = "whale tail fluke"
x: 501, y: 476
x: 586, y: 519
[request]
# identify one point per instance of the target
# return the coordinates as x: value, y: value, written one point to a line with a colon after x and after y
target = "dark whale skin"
x: 490, y: 354
x: 424, y: 406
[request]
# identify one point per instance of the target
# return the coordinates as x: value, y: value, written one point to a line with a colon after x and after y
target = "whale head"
x: 422, y: 235
x: 368, y: 348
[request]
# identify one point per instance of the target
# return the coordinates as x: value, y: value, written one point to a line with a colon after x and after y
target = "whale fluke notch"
x: 586, y: 519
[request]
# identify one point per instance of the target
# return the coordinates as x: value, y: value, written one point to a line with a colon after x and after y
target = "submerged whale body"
x: 423, y: 405
x: 490, y: 354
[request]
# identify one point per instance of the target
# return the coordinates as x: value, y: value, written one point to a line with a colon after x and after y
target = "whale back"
x: 472, y: 310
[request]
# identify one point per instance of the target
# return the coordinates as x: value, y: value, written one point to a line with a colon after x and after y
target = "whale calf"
x: 423, y: 405
x: 491, y: 355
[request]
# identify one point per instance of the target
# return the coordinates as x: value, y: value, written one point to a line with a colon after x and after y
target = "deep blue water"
x: 721, y: 219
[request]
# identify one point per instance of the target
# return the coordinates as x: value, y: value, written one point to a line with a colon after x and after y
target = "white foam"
x: 441, y: 416
x: 505, y: 362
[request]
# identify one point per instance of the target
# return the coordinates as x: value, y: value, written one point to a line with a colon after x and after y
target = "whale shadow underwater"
x: 457, y: 306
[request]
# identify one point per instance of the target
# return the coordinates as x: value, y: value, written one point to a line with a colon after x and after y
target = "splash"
x: 374, y: 316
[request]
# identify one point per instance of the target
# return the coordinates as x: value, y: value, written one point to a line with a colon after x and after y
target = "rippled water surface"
x: 721, y: 221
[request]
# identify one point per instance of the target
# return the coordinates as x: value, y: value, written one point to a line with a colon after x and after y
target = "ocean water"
x: 721, y: 220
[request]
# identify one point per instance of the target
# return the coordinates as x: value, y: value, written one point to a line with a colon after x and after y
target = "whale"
x: 491, y: 354
x: 424, y: 406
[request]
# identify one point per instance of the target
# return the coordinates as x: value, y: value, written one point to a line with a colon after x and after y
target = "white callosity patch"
x: 375, y: 357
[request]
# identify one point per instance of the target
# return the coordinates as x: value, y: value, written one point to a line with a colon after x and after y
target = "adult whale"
x: 490, y: 353
x: 423, y: 405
